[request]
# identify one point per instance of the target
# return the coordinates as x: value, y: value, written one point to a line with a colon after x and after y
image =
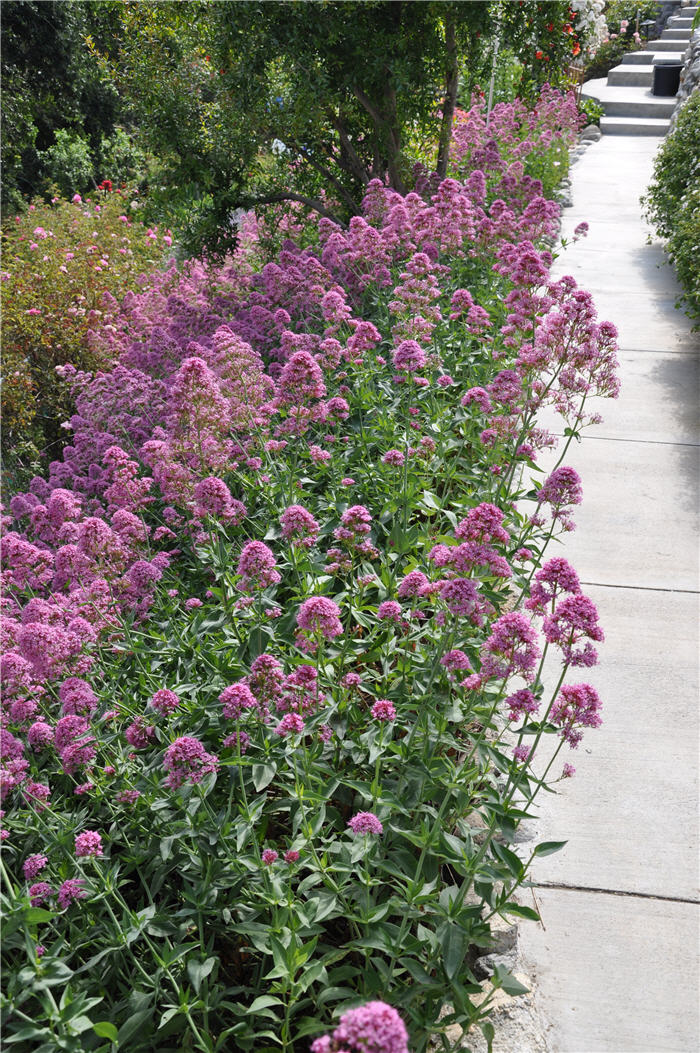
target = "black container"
x: 667, y: 78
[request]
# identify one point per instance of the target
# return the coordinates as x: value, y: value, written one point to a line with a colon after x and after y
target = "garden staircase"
x: 630, y: 107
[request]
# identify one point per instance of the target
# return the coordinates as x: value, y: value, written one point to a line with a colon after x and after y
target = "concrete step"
x: 650, y: 107
x: 637, y: 58
x: 667, y: 58
x: 666, y: 45
x: 676, y: 34
x: 634, y: 125
x: 632, y: 76
x: 680, y: 23
x: 628, y: 101
x: 644, y: 58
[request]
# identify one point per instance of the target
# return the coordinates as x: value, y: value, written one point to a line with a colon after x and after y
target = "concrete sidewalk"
x: 616, y: 960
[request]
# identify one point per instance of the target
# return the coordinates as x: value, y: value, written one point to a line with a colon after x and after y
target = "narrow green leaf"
x: 547, y: 848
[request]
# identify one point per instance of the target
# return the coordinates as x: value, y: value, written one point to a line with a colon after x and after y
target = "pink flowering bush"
x: 272, y: 694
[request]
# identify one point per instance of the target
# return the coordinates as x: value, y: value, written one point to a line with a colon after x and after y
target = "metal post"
x: 489, y: 105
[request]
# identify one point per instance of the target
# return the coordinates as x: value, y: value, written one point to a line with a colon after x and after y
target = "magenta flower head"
x: 575, y: 620
x: 33, y: 865
x: 39, y: 735
x: 389, y: 611
x: 365, y: 823
x: 290, y: 724
x: 299, y: 526
x: 383, y: 710
x: 511, y: 648
x: 70, y: 891
x: 256, y: 566
x: 88, y: 843
x: 39, y: 893
x: 409, y: 357
x: 301, y: 380
x: 372, y: 1028
x: 237, y: 698
x: 269, y: 856
x: 455, y: 660
x: 186, y: 760
x: 165, y: 701
x: 318, y: 616
x: 561, y: 491
x: 411, y: 585
x: 578, y: 706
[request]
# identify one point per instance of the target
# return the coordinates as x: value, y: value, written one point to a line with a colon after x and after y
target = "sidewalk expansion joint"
x: 643, y: 442
x: 639, y: 588
x: 559, y: 887
x: 656, y: 351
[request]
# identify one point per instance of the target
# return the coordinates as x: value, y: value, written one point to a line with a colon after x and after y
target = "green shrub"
x: 121, y: 159
x: 59, y: 260
x: 68, y: 162
x: 673, y: 199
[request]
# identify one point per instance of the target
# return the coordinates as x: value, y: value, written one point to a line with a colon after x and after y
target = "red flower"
x: 539, y: 54
x: 550, y: 27
x: 576, y: 48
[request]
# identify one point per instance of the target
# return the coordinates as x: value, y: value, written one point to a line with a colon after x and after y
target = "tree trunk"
x: 387, y: 131
x: 448, y: 108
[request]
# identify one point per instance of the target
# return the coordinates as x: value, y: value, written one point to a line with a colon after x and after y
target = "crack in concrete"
x: 616, y: 892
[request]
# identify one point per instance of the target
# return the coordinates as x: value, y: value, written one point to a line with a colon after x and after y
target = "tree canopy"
x: 259, y: 102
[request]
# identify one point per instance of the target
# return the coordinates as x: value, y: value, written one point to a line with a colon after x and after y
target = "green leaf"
x: 513, y: 862
x: 417, y: 971
x: 548, y: 848
x: 132, y: 1025
x: 453, y: 944
x: 264, y: 1002
x: 198, y: 971
x: 37, y: 915
x: 27, y: 1032
x: 506, y: 981
x: 489, y: 1033
x: 105, y: 1029
x: 263, y: 774
x: 519, y: 911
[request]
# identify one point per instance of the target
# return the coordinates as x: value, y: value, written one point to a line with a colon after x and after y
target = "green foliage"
x: 59, y: 260
x: 353, y: 91
x: 617, y: 11
x: 68, y: 163
x: 673, y: 199
x: 591, y: 110
x: 122, y: 160
x: 542, y: 38
x: 52, y: 85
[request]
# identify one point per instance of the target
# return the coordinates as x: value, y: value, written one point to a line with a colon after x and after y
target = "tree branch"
x: 356, y: 166
x: 327, y: 174
x: 287, y: 195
